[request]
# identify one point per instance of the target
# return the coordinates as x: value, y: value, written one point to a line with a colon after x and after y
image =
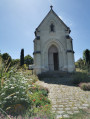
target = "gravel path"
x: 66, y: 100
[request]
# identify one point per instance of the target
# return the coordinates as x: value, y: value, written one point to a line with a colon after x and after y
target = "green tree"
x: 15, y: 61
x: 22, y: 57
x: 28, y: 60
x: 6, y: 59
x: 86, y: 56
x: 6, y: 56
x: 80, y: 63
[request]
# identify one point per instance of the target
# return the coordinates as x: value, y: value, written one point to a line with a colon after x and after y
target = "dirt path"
x: 66, y: 100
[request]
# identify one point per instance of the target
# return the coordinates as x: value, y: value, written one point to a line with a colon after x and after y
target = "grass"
x: 80, y: 77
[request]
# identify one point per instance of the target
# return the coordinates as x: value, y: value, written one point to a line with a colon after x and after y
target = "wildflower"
x: 46, y: 105
x: 40, y: 98
x: 34, y: 100
x: 22, y: 99
x: 8, y: 97
x: 12, y: 87
x: 10, y: 84
x: 17, y: 92
x: 26, y: 99
x: 21, y: 87
x: 23, y: 92
x: 24, y: 87
x: 2, y: 94
x: 6, y: 87
x: 30, y: 92
x: 15, y: 97
x: 4, y: 101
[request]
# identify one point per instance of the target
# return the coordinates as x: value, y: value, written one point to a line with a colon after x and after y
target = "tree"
x: 6, y: 56
x: 86, y: 56
x: 80, y: 63
x: 6, y: 59
x: 28, y: 60
x: 22, y: 57
x: 15, y: 61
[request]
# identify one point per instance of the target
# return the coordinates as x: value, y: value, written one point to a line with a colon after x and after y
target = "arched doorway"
x: 53, y: 61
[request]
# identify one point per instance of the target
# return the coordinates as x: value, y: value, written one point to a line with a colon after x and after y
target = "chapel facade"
x: 53, y: 46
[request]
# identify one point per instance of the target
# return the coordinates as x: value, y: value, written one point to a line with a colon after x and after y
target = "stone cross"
x: 51, y: 7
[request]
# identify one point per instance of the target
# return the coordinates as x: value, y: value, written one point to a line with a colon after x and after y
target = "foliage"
x: 6, y: 60
x: 13, y: 94
x: 24, y: 67
x: 28, y: 60
x: 86, y: 56
x: 79, y: 77
x: 22, y: 57
x: 41, y: 89
x: 6, y: 56
x: 84, y: 64
x: 80, y: 63
x: 85, y: 86
x: 15, y: 61
x: 39, y: 99
x: 19, y: 95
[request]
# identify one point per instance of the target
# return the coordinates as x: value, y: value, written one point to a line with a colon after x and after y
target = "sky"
x: 20, y: 18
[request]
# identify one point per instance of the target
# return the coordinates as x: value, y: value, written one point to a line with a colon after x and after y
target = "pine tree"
x: 22, y: 57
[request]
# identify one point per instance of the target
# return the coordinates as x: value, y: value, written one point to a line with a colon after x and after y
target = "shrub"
x: 44, y: 91
x: 39, y: 99
x: 24, y: 67
x: 80, y: 77
x: 13, y: 94
x: 85, y: 86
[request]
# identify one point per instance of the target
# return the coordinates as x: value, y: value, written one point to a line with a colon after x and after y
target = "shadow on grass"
x: 64, y: 78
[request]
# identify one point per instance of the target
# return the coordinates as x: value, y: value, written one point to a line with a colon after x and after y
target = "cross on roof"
x: 51, y: 7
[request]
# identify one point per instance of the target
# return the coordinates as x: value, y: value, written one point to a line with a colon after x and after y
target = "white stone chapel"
x: 53, y: 47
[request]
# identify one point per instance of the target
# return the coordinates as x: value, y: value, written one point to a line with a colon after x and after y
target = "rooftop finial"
x: 51, y: 7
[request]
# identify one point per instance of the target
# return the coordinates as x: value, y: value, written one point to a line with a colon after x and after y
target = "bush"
x: 44, y: 91
x: 80, y: 77
x: 13, y: 94
x: 85, y: 86
x: 39, y: 99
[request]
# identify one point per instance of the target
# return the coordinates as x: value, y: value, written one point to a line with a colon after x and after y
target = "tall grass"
x: 80, y: 77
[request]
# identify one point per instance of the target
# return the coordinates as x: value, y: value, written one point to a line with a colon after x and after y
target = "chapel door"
x: 55, y: 60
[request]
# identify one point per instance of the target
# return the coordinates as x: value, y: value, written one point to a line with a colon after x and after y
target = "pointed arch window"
x: 52, y: 27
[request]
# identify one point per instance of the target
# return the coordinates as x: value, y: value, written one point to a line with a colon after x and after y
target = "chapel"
x: 53, y: 46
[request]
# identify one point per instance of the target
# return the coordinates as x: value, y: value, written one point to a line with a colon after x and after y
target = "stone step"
x: 55, y: 74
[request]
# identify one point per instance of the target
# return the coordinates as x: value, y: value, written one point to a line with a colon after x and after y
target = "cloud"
x: 67, y: 20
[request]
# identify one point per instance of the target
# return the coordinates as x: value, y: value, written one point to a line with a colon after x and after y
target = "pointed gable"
x: 52, y: 12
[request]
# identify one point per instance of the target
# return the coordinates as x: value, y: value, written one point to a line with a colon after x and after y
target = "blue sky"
x: 19, y: 18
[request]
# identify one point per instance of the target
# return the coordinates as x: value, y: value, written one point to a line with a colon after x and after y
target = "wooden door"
x: 55, y: 59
